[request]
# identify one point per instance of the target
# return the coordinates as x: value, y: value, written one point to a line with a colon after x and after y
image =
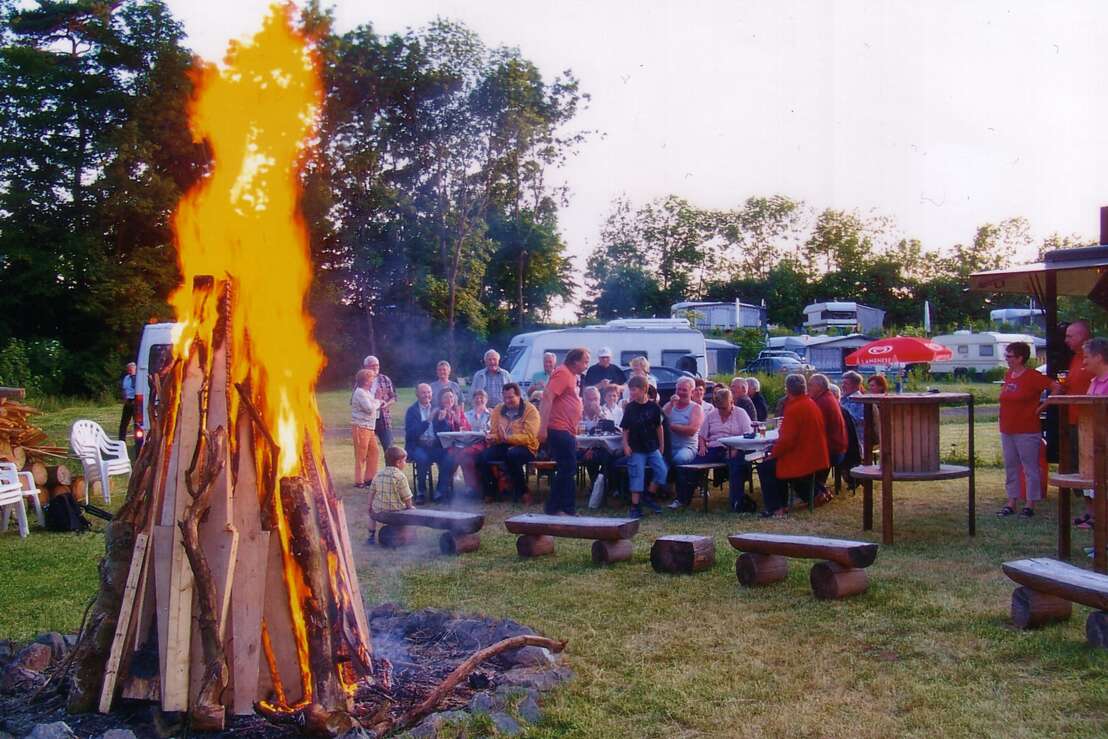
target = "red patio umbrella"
x: 898, y: 350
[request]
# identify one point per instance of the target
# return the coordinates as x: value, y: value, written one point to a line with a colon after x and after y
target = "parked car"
x: 779, y: 353
x: 775, y: 365
x: 667, y: 380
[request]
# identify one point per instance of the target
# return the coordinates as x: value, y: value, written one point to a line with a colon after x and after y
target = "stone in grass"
x: 531, y: 677
x: 531, y: 657
x: 529, y: 710
x: 483, y: 703
x: 506, y: 725
x: 56, y: 730
x: 358, y: 733
x: 34, y: 657
x: 118, y: 734
x: 438, y: 724
x: 56, y: 642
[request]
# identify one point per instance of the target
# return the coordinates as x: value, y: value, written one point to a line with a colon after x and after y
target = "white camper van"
x: 155, y: 351
x: 663, y: 341
x: 977, y: 353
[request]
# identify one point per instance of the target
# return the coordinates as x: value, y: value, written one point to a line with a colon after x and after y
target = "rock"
x: 530, y: 657
x: 7, y: 649
x: 531, y: 677
x: 433, y: 725
x: 506, y: 725
x: 14, y: 679
x: 56, y: 730
x: 529, y: 710
x: 55, y: 641
x: 358, y: 733
x: 483, y: 703
x: 118, y: 734
x: 34, y: 657
x: 71, y: 640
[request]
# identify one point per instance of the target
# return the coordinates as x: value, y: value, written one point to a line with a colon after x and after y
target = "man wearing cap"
x: 603, y: 373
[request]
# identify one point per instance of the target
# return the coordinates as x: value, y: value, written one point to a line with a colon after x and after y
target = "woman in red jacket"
x: 1020, y: 429
x: 799, y: 453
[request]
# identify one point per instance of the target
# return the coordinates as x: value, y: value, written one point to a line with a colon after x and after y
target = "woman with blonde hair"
x: 364, y: 407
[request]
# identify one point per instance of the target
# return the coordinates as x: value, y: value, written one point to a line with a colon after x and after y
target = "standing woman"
x: 364, y: 407
x: 1020, y: 430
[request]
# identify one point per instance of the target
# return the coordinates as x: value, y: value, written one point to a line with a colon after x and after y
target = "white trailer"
x: 663, y: 341
x: 977, y: 353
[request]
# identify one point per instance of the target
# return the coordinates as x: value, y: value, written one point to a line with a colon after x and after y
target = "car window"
x: 670, y: 356
x: 626, y: 357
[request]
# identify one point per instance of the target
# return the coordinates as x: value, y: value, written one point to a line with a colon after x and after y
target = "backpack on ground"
x: 63, y: 514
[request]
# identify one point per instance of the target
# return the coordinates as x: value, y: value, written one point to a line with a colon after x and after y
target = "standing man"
x: 128, y: 400
x: 560, y: 415
x: 382, y: 389
x: 492, y: 378
x: 603, y: 373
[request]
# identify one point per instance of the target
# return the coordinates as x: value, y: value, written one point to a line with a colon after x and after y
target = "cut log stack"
x: 25, y: 445
x: 243, y: 591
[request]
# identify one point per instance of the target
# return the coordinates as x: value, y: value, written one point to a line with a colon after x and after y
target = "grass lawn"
x: 927, y: 650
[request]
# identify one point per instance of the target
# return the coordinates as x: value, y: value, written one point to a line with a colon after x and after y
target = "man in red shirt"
x: 561, y: 413
x: 819, y: 390
x: 799, y: 453
x: 1077, y: 383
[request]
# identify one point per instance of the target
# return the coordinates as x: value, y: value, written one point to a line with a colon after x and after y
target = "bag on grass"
x: 63, y: 514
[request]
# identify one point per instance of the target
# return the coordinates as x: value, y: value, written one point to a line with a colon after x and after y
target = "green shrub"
x: 38, y: 366
x: 773, y: 386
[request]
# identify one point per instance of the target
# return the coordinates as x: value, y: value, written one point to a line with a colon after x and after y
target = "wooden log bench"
x: 1049, y: 588
x: 682, y: 553
x: 459, y: 528
x: 840, y: 573
x: 537, y: 531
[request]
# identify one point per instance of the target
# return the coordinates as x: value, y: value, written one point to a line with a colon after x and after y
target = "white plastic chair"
x: 100, y: 456
x: 11, y: 497
x: 30, y: 492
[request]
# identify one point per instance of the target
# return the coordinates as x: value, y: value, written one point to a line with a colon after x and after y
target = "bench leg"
x: 1032, y: 609
x: 831, y: 580
x: 392, y: 537
x: 760, y: 569
x: 1096, y: 629
x: 530, y: 545
x: 459, y: 543
x: 605, y: 552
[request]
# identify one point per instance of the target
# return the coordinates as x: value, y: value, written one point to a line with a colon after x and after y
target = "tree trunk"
x: 370, y: 329
x: 519, y: 285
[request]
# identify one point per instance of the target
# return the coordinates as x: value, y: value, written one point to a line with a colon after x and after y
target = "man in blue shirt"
x: 128, y: 401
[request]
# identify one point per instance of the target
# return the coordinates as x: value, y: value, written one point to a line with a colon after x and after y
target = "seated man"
x: 419, y: 439
x: 728, y: 420
x: 822, y: 392
x: 597, y: 459
x: 604, y: 373
x: 513, y: 439
x: 739, y: 389
x: 799, y: 453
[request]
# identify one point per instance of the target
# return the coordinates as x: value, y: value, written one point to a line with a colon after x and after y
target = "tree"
x: 760, y: 233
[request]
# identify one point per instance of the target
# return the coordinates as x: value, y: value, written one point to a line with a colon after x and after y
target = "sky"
x: 941, y: 115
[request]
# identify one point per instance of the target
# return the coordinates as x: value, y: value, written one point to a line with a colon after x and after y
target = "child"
x: 389, y: 490
x: 364, y: 408
x: 643, y: 442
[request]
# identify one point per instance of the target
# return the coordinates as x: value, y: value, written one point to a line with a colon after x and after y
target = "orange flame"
x: 257, y: 115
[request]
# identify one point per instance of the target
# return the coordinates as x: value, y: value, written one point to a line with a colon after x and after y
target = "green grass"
x: 927, y: 650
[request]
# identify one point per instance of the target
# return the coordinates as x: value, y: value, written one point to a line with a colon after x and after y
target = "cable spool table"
x: 909, y: 451
x: 1092, y: 471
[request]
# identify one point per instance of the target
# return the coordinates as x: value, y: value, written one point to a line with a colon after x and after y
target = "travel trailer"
x: 705, y: 315
x: 155, y: 352
x: 978, y: 353
x: 819, y: 317
x: 665, y: 342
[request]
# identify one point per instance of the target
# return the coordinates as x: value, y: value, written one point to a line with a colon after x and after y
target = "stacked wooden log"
x: 25, y: 445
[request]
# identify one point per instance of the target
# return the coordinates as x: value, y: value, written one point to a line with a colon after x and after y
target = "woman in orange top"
x: 799, y: 452
x: 1020, y: 429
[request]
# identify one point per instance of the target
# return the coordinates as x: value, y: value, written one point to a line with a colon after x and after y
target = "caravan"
x: 664, y: 342
x: 977, y: 353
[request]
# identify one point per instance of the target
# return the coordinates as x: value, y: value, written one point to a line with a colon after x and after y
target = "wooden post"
x: 887, y: 461
x: 830, y: 580
x: 1099, y: 412
x: 452, y: 544
x: 972, y: 491
x: 760, y: 569
x: 606, y: 552
x: 682, y: 554
x: 1031, y: 609
x: 529, y: 545
x: 867, y: 459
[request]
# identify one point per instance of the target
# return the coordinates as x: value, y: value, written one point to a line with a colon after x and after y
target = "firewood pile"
x: 28, y: 447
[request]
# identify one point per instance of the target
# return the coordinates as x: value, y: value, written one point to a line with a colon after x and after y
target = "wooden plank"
x: 456, y: 522
x: 278, y: 620
x: 175, y: 678
x: 352, y: 572
x: 888, y: 462
x: 163, y: 549
x: 868, y: 422
x: 248, y: 596
x: 1062, y: 579
x: 944, y: 472
x: 841, y: 551
x: 1099, y: 415
x: 971, y: 483
x: 575, y: 527
x: 1086, y: 435
x: 123, y: 622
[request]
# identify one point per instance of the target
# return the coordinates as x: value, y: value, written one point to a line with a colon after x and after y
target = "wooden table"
x: 756, y: 444
x: 909, y: 451
x: 460, y: 439
x: 1092, y: 470
x: 611, y: 442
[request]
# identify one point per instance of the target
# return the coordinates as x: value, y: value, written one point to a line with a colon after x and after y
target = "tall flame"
x: 257, y: 115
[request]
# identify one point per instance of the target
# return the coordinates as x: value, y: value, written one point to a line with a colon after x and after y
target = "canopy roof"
x: 1081, y: 272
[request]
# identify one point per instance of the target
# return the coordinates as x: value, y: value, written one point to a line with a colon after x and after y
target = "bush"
x: 38, y: 366
x: 773, y: 386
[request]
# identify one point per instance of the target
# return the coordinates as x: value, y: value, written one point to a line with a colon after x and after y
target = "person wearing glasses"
x: 1020, y: 429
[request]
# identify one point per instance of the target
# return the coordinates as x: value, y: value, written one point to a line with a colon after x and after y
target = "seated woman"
x: 728, y: 420
x: 478, y: 417
x: 640, y: 367
x: 612, y: 408
x: 799, y: 453
x: 448, y: 416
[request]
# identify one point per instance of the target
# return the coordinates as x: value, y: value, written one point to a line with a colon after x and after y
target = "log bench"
x: 1049, y: 588
x: 682, y: 553
x: 840, y: 573
x: 459, y: 528
x: 537, y: 531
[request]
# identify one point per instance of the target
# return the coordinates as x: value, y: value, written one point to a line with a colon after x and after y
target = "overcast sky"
x: 942, y: 115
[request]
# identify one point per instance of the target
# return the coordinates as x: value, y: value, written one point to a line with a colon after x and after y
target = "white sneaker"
x: 675, y: 505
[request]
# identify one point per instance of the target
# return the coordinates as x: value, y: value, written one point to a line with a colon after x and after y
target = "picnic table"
x: 1091, y: 472
x: 460, y: 439
x: 613, y: 442
x: 757, y: 443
